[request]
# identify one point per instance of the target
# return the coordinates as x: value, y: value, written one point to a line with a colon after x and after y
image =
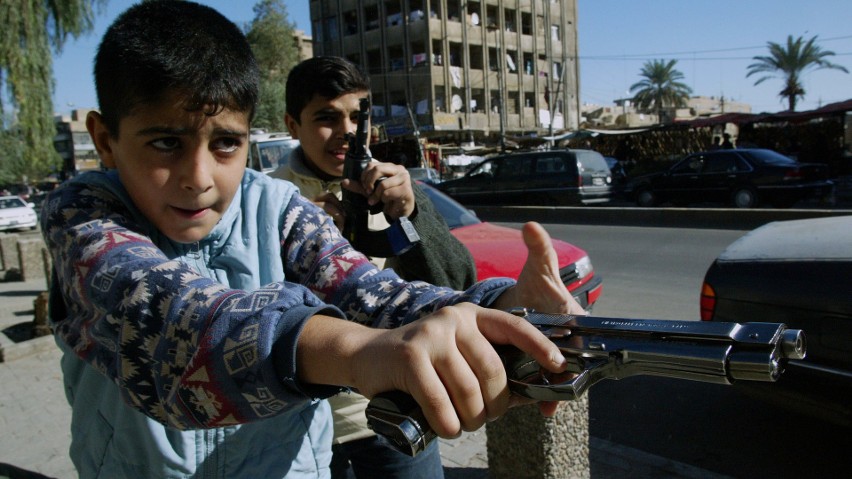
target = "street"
x: 657, y: 273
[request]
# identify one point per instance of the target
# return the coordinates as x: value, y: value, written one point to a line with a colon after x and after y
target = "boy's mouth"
x: 339, y: 153
x: 190, y: 214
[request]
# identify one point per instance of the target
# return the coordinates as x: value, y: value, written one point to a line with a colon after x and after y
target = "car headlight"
x: 584, y: 267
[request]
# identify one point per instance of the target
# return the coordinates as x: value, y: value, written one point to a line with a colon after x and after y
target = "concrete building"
x: 461, y: 70
x: 623, y: 113
x: 304, y: 44
x: 73, y: 143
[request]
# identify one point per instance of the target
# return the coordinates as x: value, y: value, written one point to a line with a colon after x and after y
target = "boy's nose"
x: 198, y: 172
x: 348, y: 127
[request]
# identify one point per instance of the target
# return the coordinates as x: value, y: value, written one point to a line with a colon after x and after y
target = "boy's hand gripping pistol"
x: 614, y: 348
x: 401, y: 235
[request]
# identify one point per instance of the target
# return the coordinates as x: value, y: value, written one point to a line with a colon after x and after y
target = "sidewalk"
x: 35, y: 417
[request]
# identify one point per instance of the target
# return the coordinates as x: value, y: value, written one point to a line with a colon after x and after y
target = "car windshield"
x: 591, y: 161
x: 769, y: 157
x: 274, y: 154
x: 453, y: 213
x: 422, y: 173
x: 11, y: 203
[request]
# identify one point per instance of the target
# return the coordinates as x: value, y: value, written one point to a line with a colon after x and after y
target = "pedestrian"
x: 323, y: 103
x: 726, y: 142
x: 200, y: 306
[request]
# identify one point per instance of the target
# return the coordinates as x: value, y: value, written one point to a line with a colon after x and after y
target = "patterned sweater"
x: 164, y: 331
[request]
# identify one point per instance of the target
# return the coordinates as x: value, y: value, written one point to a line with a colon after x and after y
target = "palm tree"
x: 790, y: 63
x: 660, y: 88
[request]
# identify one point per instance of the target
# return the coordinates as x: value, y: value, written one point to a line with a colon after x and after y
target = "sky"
x: 712, y: 41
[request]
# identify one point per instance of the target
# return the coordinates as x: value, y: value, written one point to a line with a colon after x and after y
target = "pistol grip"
x: 397, y: 416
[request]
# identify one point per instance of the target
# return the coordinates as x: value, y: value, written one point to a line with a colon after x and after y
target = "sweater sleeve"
x: 439, y: 258
x: 181, y: 348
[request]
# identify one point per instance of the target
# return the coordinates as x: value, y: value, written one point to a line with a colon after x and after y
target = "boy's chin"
x: 188, y: 235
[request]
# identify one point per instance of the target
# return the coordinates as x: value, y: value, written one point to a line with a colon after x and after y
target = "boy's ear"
x: 292, y: 126
x: 101, y: 138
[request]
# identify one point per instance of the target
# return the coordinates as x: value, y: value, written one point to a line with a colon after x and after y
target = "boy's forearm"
x: 328, y: 348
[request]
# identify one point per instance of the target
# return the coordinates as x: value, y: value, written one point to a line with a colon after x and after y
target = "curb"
x: 714, y: 218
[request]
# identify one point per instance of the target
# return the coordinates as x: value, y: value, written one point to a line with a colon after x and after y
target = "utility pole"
x: 500, y: 100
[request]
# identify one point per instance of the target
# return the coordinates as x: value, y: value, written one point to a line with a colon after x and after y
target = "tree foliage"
x: 790, y: 62
x: 660, y: 87
x: 32, y: 30
x: 271, y: 36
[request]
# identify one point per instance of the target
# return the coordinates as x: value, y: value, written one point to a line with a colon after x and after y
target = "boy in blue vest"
x: 201, y: 307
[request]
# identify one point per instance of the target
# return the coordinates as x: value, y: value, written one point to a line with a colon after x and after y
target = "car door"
x: 681, y: 184
x: 511, y: 179
x: 720, y: 172
x: 554, y: 181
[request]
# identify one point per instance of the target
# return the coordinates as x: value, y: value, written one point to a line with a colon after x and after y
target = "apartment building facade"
x: 460, y: 70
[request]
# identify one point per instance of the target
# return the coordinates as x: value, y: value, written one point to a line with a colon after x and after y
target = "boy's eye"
x: 227, y: 144
x: 326, y: 118
x: 165, y: 144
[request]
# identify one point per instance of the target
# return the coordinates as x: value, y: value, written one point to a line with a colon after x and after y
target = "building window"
x: 437, y: 53
x: 372, y: 15
x: 350, y: 20
x: 454, y: 13
x: 526, y: 23
x: 374, y: 62
x: 477, y: 100
x: 475, y: 57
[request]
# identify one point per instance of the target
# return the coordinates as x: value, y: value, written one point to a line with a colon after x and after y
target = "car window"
x: 487, y: 167
x: 591, y: 161
x: 689, y: 166
x: 11, y: 203
x: 551, y: 165
x: 453, y: 213
x: 514, y: 167
x: 721, y: 164
x: 769, y: 157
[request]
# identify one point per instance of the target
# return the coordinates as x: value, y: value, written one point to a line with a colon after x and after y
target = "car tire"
x: 645, y: 197
x: 745, y: 197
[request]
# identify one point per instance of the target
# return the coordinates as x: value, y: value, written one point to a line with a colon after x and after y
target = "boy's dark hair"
x: 161, y: 47
x: 328, y: 77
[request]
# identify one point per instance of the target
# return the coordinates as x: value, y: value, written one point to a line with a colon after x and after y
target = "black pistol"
x: 600, y: 348
x: 401, y: 235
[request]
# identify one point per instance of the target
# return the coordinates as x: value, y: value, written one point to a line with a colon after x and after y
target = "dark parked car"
x: 744, y: 178
x: 553, y: 177
x: 500, y: 252
x: 798, y: 273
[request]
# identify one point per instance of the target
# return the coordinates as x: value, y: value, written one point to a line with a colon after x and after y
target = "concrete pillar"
x: 41, y: 326
x: 9, y: 251
x: 524, y: 444
x: 31, y: 258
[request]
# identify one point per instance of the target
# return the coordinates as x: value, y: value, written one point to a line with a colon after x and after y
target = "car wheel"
x: 744, y: 198
x: 646, y: 197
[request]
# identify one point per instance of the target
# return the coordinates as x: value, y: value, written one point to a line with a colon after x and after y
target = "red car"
x: 500, y: 252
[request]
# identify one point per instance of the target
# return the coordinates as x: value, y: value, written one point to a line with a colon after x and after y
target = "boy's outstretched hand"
x: 539, y: 285
x: 446, y: 361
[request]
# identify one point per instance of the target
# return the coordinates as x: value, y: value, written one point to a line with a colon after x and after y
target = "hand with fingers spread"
x: 539, y: 285
x: 446, y: 361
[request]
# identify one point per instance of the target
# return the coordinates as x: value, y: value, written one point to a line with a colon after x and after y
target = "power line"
x: 641, y: 56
